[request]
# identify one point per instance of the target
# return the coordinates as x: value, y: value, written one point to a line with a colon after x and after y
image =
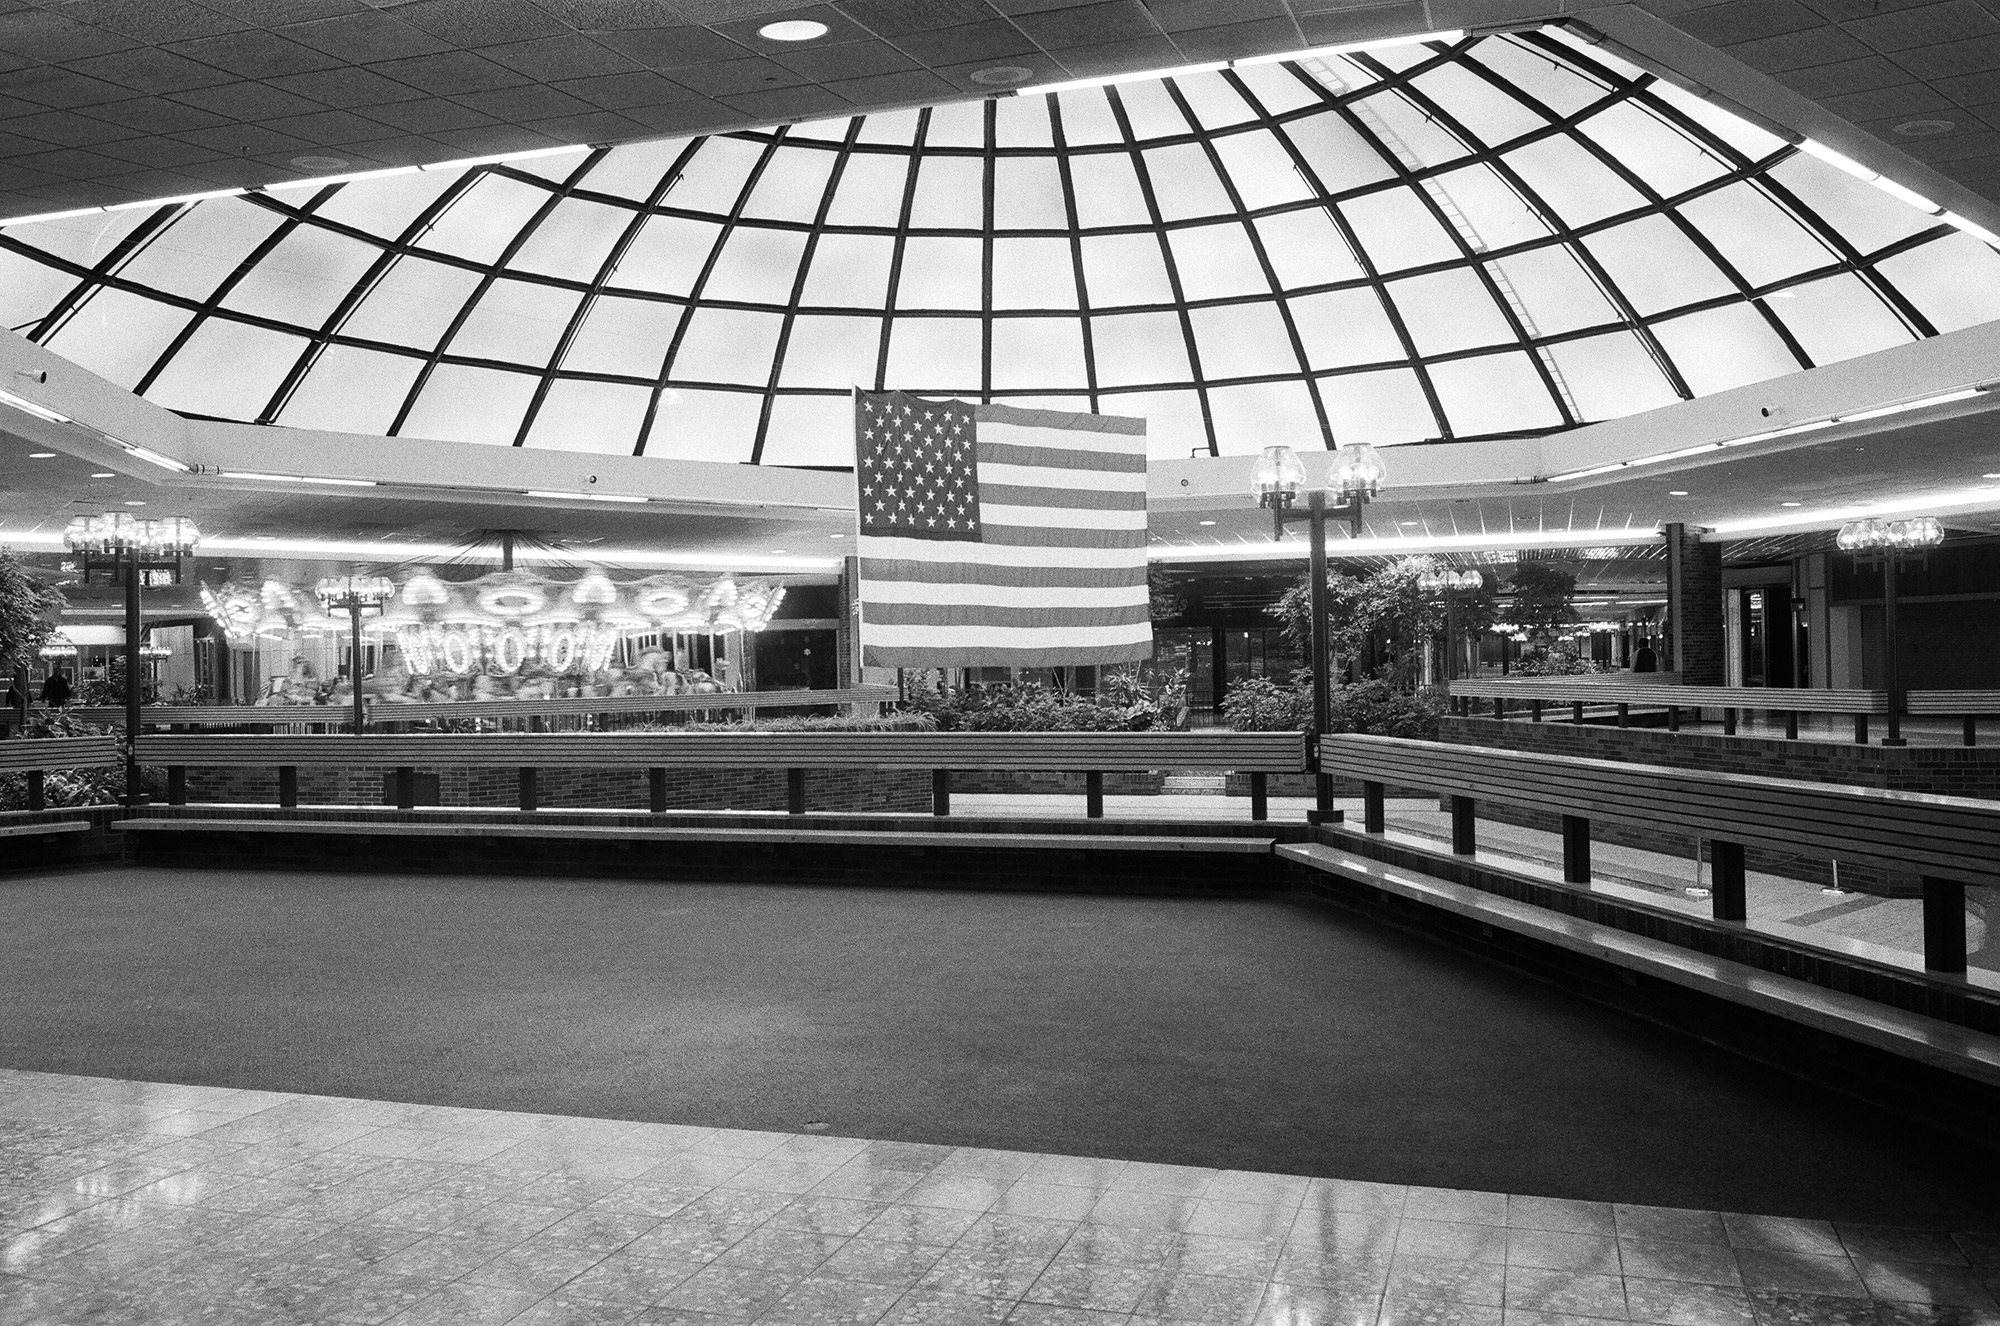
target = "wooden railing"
x: 1949, y: 841
x: 1091, y: 753
x: 283, y: 715
x: 1968, y: 706
x: 1581, y: 694
x: 37, y: 759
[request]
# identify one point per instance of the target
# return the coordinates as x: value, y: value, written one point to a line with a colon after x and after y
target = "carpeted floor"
x: 1257, y: 1035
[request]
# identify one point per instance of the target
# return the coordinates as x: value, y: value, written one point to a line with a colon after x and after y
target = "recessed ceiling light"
x: 320, y: 165
x: 1002, y: 75
x: 1208, y: 522
x: 103, y: 474
x: 793, y: 29
x: 41, y: 455
x: 130, y: 502
x: 836, y: 536
x: 777, y: 552
x: 1925, y: 128
x: 1409, y: 522
x: 1677, y: 492
x: 1788, y: 504
x: 1995, y: 475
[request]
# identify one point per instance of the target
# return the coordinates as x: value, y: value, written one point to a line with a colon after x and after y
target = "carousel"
x: 507, y: 635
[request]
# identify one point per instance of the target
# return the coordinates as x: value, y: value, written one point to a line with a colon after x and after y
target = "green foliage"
x: 110, y: 688
x: 1554, y: 661
x: 28, y: 609
x: 1130, y: 703
x: 1377, y: 707
x: 1259, y: 704
x: 63, y: 788
x: 1385, y: 607
x: 1542, y: 599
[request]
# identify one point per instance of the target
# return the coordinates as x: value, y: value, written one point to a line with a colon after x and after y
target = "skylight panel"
x: 694, y: 424
x: 1335, y: 152
x: 831, y: 352
x: 939, y: 273
x: 1306, y: 248
x: 1488, y: 212
x: 29, y: 289
x: 1132, y: 349
x: 949, y: 195
x: 463, y: 404
x: 1242, y: 340
x: 413, y: 303
x: 1479, y: 107
x: 667, y: 255
x: 1124, y: 270
x: 1448, y: 311
x: 1345, y: 328
x: 1248, y: 415
x: 351, y: 390
x: 934, y: 355
x: 1611, y: 376
x: 850, y: 271
x: 792, y: 184
x: 384, y: 207
x: 1658, y: 152
x: 201, y: 249
x: 227, y: 368
x: 1416, y: 137
x: 601, y: 418
x: 1216, y: 262
x: 1397, y: 231
x: 1033, y: 274
x: 1954, y: 281
x: 305, y: 278
x: 1107, y: 191
x: 1573, y: 181
x: 1839, y: 317
x: 1760, y: 239
x: 713, y: 181
x: 1557, y: 293
x: 1022, y: 122
x: 1382, y: 408
x: 1735, y: 131
x: 957, y: 124
x: 573, y: 241
x: 1560, y: 87
x: 1028, y: 194
x: 1865, y: 216
x: 889, y: 128
x: 633, y: 170
x: 870, y: 192
x: 625, y: 336
x: 1500, y: 393
x: 481, y: 222
x: 1037, y: 353
x: 1087, y: 118
x: 515, y: 322
x: 1216, y: 105
x: 727, y: 345
x: 800, y: 427
x: 1185, y: 183
x: 1150, y: 111
x: 1655, y: 266
x: 1276, y: 88
x: 756, y: 265
x: 1261, y: 169
x: 1724, y: 347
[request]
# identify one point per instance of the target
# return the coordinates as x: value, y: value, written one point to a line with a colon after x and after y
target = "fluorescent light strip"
x: 1264, y: 550
x: 299, y: 478
x: 1928, y: 503
x: 1180, y: 71
x: 26, y: 406
x: 1840, y: 161
x: 581, y: 497
x: 1790, y: 430
x: 318, y: 181
x: 150, y: 457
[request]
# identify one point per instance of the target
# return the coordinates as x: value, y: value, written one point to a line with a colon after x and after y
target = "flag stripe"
x: 882, y: 570
x: 1010, y: 637
x: 1107, y: 549
x: 1062, y: 421
x: 1061, y: 458
x: 1002, y: 656
x: 1048, y: 536
x: 1060, y: 517
x: 999, y: 496
x: 1002, y: 596
x: 878, y: 613
x: 1050, y: 476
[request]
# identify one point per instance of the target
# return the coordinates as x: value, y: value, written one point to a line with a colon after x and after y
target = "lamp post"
x: 1874, y: 541
x: 354, y: 595
x: 1450, y: 584
x: 131, y: 545
x: 1276, y: 479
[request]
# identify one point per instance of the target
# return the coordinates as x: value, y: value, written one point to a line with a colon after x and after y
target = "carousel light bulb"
x: 1277, y: 476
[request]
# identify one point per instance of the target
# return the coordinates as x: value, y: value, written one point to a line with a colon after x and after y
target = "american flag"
x: 994, y: 536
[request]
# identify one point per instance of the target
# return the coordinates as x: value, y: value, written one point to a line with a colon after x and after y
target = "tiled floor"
x: 139, y: 1202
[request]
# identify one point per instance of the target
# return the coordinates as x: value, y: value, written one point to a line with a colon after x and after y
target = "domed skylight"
x: 1505, y: 235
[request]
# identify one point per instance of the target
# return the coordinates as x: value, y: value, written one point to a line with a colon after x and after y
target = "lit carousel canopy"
x: 509, y: 619
x: 1500, y: 235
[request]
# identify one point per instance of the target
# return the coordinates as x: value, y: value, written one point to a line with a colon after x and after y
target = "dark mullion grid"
x: 1083, y: 312
x: 1885, y: 289
x: 605, y: 270
x: 1145, y: 178
x: 1569, y: 236
x: 491, y: 274
x: 1207, y: 141
x: 990, y: 120
x: 1672, y: 212
x: 700, y: 282
x: 902, y: 235
x: 1480, y: 269
x: 387, y: 258
x: 290, y: 220
x: 799, y: 280
x: 1362, y: 258
x: 96, y: 277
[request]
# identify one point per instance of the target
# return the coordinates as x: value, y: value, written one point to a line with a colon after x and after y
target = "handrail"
x: 157, y: 715
x: 1091, y: 753
x: 38, y: 757
x: 1950, y: 841
x: 1620, y: 690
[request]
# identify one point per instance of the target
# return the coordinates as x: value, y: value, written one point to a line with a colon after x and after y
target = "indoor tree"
x: 28, y: 610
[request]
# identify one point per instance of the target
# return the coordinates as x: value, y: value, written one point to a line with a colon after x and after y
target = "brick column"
x: 1694, y: 607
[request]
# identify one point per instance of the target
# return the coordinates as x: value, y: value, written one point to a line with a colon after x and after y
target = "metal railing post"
x: 1576, y: 849
x: 177, y: 784
x: 656, y: 790
x: 940, y: 791
x: 1093, y: 795
x: 37, y: 790
x: 1464, y: 829
x: 527, y: 787
x: 1726, y: 881
x: 1260, y: 801
x: 288, y: 786
x: 1373, y: 811
x: 1944, y: 925
x: 795, y: 791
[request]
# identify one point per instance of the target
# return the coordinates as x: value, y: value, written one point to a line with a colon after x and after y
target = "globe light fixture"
x: 1874, y: 542
x: 1449, y: 584
x: 122, y: 545
x: 355, y: 594
x: 1356, y: 476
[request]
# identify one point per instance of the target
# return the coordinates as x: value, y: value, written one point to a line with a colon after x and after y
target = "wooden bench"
x: 1968, y: 705
x: 1926, y: 1040
x: 250, y: 715
x: 1091, y: 753
x: 36, y: 758
x: 1672, y: 697
x: 1949, y: 841
x: 776, y: 833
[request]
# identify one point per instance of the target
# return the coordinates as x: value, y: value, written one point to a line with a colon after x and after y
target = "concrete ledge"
x: 53, y: 826
x: 1073, y: 842
x: 1942, y: 1045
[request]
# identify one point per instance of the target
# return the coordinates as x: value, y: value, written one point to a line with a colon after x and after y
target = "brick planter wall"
x: 583, y: 789
x: 1051, y: 782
